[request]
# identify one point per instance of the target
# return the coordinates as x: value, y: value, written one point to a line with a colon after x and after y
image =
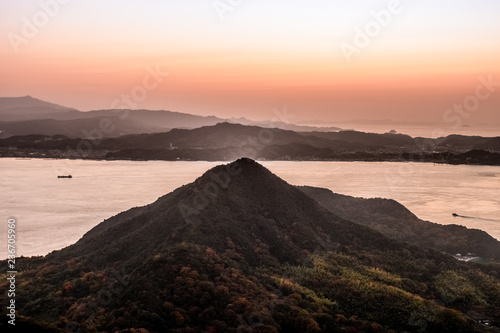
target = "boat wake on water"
x: 473, y: 217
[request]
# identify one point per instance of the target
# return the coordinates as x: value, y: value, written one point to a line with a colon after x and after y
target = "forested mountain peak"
x: 241, y: 250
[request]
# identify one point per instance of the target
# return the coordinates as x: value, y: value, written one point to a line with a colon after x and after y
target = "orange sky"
x: 257, y: 58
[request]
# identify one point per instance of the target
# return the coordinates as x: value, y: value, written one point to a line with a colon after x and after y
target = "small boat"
x: 69, y: 176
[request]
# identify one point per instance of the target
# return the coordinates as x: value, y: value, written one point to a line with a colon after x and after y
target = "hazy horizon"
x: 404, y: 61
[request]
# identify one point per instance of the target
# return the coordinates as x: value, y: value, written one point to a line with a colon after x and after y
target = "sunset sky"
x: 254, y: 56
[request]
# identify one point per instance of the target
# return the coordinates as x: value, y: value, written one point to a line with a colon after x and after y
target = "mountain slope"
x: 397, y: 222
x: 160, y: 118
x: 28, y: 108
x: 370, y: 139
x: 240, y: 250
x: 490, y: 144
x: 28, y: 105
x: 78, y: 128
x: 222, y: 135
x: 279, y: 215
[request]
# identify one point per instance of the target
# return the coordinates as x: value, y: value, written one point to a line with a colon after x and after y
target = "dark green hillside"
x: 240, y: 250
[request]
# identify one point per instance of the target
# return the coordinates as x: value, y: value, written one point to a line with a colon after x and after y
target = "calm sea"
x: 52, y: 213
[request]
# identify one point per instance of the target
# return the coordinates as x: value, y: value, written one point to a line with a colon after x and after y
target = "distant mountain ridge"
x: 29, y: 106
x: 17, y: 109
x: 165, y: 135
x: 77, y: 128
x: 228, y: 141
x: 223, y: 135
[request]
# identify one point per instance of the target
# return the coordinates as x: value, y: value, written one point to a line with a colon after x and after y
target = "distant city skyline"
x: 410, y: 61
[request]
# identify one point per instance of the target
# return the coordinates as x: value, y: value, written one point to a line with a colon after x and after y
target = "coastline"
x: 473, y: 157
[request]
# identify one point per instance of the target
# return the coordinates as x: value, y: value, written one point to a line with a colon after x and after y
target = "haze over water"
x: 53, y: 213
